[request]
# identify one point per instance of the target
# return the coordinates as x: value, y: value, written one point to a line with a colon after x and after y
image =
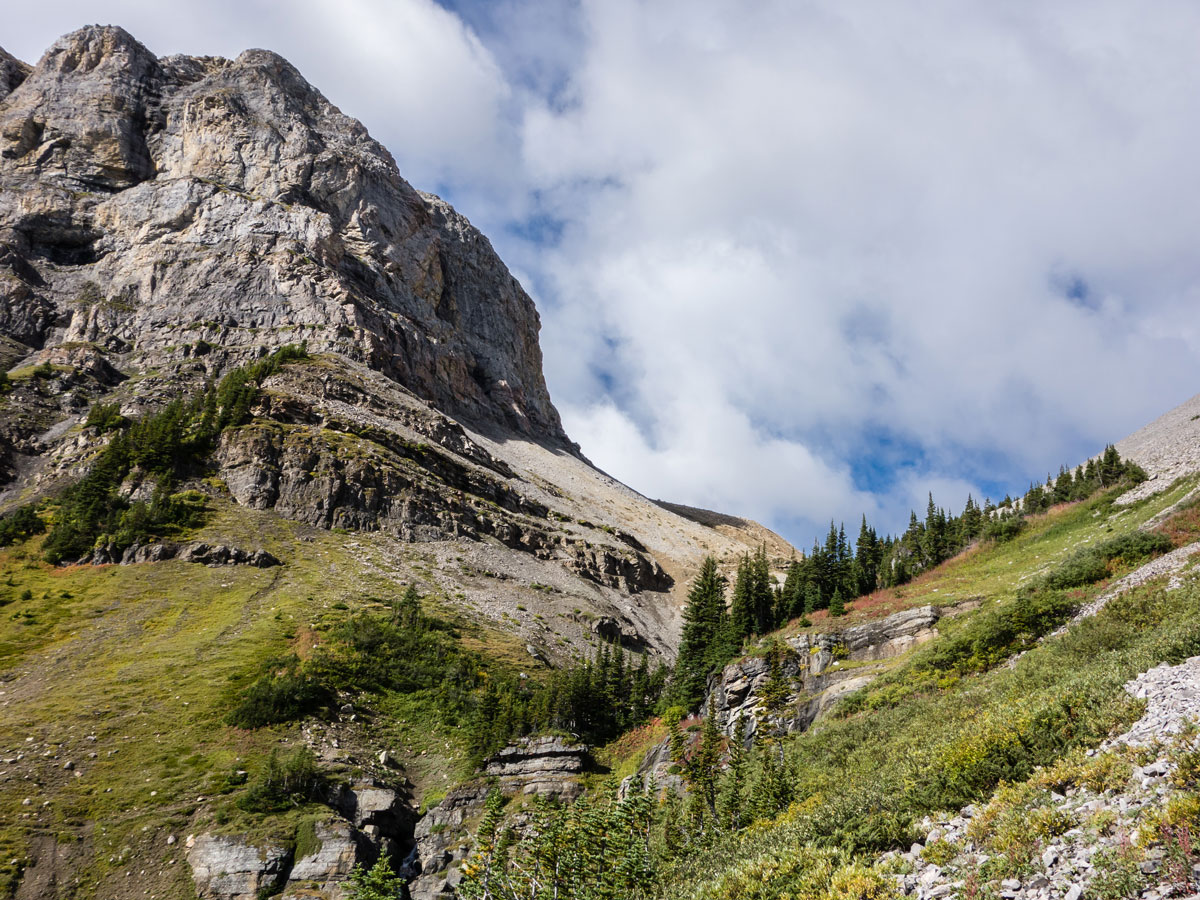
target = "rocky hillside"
x: 163, y: 221
x: 167, y: 225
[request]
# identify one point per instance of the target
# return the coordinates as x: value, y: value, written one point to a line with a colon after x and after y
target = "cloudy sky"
x: 795, y: 260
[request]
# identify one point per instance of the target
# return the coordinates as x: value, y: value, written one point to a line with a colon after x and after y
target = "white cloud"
x: 838, y: 221
x: 792, y: 231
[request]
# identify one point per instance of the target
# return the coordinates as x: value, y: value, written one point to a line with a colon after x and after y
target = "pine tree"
x: 867, y: 565
x: 762, y: 598
x: 741, y: 611
x: 705, y: 644
x: 704, y: 767
x: 837, y: 606
x: 732, y: 797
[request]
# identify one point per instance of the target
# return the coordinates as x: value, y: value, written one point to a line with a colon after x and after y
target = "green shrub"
x: 1116, y: 874
x: 105, y: 417
x: 1003, y: 528
x: 282, y: 693
x: 19, y: 525
x: 377, y: 883
x: 283, y: 784
x: 1091, y: 564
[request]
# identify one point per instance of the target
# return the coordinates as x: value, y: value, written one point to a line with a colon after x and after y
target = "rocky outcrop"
x: 12, y: 73
x: 197, y: 552
x: 367, y: 820
x: 542, y: 766
x: 810, y: 665
x: 546, y: 766
x: 232, y: 868
x: 151, y: 204
x: 327, y: 866
x: 441, y: 843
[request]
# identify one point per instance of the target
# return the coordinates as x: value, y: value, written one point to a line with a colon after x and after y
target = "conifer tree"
x: 741, y: 611
x: 704, y: 768
x: 733, y: 795
x: 705, y: 644
x: 762, y: 598
x: 867, y: 565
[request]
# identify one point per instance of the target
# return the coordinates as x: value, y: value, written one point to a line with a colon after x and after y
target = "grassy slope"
x: 864, y: 779
x: 144, y: 658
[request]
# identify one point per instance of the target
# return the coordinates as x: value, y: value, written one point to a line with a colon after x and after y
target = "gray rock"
x: 340, y: 849
x: 548, y: 766
x: 229, y: 868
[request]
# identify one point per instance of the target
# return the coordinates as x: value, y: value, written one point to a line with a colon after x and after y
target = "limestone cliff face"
x: 149, y: 206
x: 163, y: 221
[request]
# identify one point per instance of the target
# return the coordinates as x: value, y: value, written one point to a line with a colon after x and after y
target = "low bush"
x: 282, y: 693
x: 105, y: 417
x: 20, y: 524
x: 1091, y: 564
x: 284, y: 783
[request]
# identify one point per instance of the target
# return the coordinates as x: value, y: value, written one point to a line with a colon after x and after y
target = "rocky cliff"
x: 163, y: 223
x: 151, y: 206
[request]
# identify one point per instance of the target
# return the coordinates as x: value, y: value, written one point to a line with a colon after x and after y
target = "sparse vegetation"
x: 157, y: 450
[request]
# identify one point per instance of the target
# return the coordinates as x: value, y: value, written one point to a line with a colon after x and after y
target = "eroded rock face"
x: 339, y: 849
x: 807, y: 664
x: 150, y: 204
x: 547, y: 766
x: 232, y: 868
x: 441, y: 842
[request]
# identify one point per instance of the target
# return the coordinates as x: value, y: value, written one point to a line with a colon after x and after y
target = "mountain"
x: 300, y: 573
x: 332, y: 389
x: 163, y: 222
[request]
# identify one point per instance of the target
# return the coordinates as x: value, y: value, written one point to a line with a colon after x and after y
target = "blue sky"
x: 794, y: 261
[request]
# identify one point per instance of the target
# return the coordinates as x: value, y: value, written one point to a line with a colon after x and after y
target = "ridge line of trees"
x: 833, y: 573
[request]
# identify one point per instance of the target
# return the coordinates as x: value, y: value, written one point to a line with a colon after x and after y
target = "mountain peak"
x: 228, y: 203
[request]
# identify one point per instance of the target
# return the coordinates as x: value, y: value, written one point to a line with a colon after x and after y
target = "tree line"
x: 834, y: 572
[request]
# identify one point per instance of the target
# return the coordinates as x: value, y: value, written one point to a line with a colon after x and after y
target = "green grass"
x: 148, y: 659
x: 864, y: 779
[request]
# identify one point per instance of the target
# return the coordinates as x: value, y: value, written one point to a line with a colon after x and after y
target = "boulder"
x: 232, y: 868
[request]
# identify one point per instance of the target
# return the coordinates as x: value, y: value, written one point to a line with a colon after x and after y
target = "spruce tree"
x: 705, y: 644
x: 866, y: 564
x: 741, y: 611
x: 762, y: 597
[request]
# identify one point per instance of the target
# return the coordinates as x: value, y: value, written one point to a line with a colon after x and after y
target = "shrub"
x: 1091, y: 564
x: 1003, y: 528
x: 378, y: 883
x: 105, y: 417
x: 1116, y: 873
x: 280, y: 694
x: 19, y: 525
x: 282, y: 784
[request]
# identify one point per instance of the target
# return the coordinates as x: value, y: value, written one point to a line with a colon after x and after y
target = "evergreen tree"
x: 705, y: 644
x: 762, y: 597
x: 867, y: 564
x: 837, y: 606
x: 741, y: 612
x: 732, y: 797
x: 704, y: 768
